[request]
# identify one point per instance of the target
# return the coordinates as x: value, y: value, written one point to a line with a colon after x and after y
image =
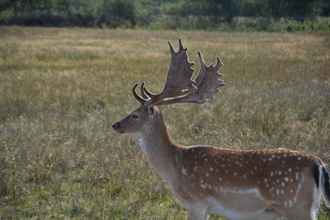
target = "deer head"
x: 180, y: 87
x: 146, y: 116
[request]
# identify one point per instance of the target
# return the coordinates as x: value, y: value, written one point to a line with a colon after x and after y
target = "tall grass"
x: 61, y: 89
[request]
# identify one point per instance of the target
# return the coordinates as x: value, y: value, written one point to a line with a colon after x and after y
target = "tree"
x: 116, y: 12
x: 217, y: 9
x: 294, y: 8
x: 325, y: 6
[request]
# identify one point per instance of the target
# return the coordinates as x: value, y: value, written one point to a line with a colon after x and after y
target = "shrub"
x: 119, y: 13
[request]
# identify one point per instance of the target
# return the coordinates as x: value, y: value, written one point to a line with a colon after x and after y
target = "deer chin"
x: 120, y: 131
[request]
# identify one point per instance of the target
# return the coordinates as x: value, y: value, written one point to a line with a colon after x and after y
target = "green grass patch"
x: 61, y: 90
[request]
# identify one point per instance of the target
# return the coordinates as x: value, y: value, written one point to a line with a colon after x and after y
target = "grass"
x: 61, y: 90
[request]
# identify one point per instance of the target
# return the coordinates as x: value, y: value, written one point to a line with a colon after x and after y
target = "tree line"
x: 129, y: 13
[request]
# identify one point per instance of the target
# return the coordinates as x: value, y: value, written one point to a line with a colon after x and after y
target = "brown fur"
x: 275, y: 173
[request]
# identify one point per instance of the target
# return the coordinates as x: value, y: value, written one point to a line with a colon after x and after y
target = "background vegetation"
x: 61, y: 90
x: 242, y: 15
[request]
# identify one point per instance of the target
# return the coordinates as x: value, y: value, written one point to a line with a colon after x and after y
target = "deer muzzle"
x: 117, y: 127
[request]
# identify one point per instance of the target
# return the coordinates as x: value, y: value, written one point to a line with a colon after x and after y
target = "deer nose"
x: 116, y: 125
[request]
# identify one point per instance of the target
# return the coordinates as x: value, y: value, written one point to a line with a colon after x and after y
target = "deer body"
x: 237, y: 184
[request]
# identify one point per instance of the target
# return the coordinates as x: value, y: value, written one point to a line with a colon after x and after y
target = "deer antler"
x: 179, y: 86
x: 208, y: 81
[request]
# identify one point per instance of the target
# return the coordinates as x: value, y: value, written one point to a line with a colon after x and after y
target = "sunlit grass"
x: 61, y: 89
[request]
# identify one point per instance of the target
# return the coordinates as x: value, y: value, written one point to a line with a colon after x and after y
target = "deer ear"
x: 150, y: 110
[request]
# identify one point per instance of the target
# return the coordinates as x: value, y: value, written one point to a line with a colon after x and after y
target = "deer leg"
x: 197, y: 214
x: 301, y: 216
x: 267, y: 216
x: 304, y: 213
x: 308, y: 201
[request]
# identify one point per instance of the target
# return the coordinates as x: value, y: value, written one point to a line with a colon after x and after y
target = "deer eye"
x: 135, y: 116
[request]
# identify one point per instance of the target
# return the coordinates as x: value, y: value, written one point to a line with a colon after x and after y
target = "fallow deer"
x: 237, y: 184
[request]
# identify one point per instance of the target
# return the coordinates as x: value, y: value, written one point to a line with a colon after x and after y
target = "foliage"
x: 62, y: 88
x: 239, y: 24
x: 119, y: 12
x: 148, y: 13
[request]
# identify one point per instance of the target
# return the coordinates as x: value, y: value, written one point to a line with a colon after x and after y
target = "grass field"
x: 61, y: 90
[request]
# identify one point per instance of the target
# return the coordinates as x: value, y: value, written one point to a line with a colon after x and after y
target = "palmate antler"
x: 179, y: 86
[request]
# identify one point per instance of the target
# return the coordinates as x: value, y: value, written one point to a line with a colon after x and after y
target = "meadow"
x: 62, y: 88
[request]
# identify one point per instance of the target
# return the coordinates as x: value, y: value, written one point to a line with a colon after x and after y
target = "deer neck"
x: 159, y: 149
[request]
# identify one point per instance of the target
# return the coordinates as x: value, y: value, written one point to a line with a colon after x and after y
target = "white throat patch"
x: 142, y: 144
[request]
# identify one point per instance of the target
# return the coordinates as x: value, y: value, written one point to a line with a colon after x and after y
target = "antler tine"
x: 201, y: 60
x: 171, y: 48
x: 144, y: 96
x: 180, y: 45
x: 145, y: 91
x: 219, y: 63
x: 137, y: 97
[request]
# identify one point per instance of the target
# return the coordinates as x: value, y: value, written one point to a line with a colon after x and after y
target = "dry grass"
x: 61, y: 89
